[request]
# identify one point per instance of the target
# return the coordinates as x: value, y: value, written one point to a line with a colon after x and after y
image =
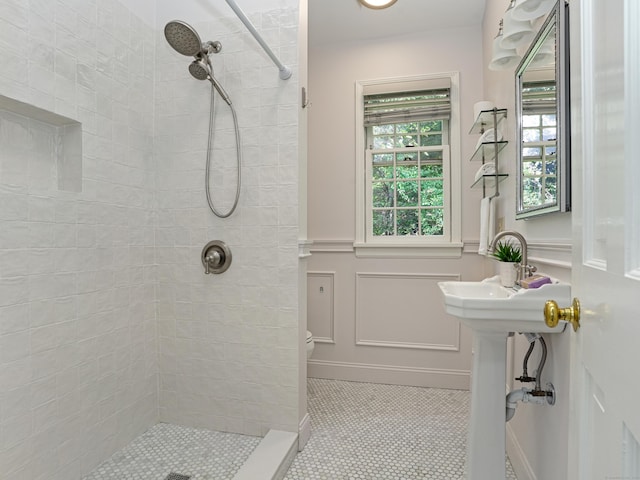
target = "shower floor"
x: 166, y: 448
x: 369, y: 431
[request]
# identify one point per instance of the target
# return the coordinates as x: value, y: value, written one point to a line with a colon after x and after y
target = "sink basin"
x: 492, y: 312
x: 488, y: 306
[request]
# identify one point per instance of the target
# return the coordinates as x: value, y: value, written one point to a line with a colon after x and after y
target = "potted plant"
x: 510, y: 258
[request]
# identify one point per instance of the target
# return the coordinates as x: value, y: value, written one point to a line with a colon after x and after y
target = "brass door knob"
x: 553, y: 314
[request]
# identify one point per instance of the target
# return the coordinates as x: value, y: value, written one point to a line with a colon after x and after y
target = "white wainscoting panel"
x: 320, y: 306
x: 404, y: 310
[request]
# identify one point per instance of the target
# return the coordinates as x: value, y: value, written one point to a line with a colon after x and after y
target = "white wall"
x: 229, y: 343
x: 538, y: 436
x: 338, y: 312
x: 78, y: 366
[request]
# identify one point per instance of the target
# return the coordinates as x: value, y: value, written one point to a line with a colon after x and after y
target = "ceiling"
x: 337, y: 21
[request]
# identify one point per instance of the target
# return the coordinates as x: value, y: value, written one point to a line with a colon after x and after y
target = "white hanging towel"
x: 487, y: 224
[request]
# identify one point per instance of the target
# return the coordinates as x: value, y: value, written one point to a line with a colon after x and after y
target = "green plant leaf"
x: 507, y: 252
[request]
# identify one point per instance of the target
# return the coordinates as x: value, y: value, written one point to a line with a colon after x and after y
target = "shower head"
x: 200, y: 69
x: 183, y: 38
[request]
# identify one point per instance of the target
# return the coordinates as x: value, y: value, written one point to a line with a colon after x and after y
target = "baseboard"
x: 304, y: 431
x: 517, y: 457
x: 271, y: 458
x: 391, y: 375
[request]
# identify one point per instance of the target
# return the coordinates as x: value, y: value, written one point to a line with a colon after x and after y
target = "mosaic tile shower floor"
x: 166, y: 448
x: 384, y: 432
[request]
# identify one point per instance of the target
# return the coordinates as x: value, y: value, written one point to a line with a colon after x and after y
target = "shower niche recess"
x: 50, y: 143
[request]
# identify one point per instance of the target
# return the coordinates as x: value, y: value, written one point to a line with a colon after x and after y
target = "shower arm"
x: 285, y: 72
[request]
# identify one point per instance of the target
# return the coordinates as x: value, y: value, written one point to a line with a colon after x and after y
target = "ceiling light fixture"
x: 377, y: 4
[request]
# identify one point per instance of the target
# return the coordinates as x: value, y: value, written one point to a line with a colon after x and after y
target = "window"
x: 539, y: 134
x: 409, y: 195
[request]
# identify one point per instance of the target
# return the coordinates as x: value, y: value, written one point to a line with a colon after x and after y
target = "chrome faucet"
x: 526, y: 270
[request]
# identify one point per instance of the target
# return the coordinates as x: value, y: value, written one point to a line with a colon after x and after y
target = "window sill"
x: 403, y: 250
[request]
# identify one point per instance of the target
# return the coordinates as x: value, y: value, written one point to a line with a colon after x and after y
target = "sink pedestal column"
x: 486, y: 441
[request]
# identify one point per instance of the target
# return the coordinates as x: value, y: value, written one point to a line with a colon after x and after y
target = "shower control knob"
x: 216, y: 257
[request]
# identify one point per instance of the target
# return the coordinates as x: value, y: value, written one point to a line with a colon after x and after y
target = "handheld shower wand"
x: 185, y: 40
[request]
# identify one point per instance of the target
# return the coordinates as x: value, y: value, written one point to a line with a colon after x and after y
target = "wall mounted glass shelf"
x: 489, y: 180
x: 487, y: 150
x: 485, y: 119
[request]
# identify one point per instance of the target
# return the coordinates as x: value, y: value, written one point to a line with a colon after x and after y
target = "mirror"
x: 542, y: 107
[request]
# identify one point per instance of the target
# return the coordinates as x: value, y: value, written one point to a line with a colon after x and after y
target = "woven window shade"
x: 539, y: 98
x: 408, y: 106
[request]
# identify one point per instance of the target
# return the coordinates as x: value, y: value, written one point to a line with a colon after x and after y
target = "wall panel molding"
x: 392, y: 375
x: 380, y: 320
x: 332, y: 246
x: 323, y: 329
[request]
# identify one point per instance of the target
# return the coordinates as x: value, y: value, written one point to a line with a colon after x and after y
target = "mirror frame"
x: 559, y: 17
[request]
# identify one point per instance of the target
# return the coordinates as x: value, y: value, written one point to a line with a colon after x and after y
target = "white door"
x: 605, y: 360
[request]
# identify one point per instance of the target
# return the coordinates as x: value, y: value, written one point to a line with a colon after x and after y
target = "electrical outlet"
x: 500, y: 224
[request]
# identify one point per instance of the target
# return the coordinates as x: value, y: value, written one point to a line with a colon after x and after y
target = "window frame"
x: 448, y: 245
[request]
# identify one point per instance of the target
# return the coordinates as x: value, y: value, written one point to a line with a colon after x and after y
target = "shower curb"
x: 271, y: 458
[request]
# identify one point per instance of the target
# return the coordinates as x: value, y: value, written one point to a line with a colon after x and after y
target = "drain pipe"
x: 537, y: 396
x: 524, y: 395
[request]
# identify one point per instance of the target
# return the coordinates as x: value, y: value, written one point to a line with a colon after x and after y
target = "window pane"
x: 431, y: 193
x: 383, y: 222
x: 383, y: 129
x: 548, y: 134
x: 532, y: 152
x: 550, y: 151
x: 383, y: 194
x: 530, y: 120
x: 383, y: 142
x: 407, y: 172
x: 431, y: 171
x: 550, y: 168
x: 407, y: 158
x: 431, y: 126
x: 407, y: 194
x: 530, y: 135
x: 382, y: 172
x: 383, y: 158
x: 433, y: 139
x: 432, y: 221
x: 548, y: 120
x: 407, y: 128
x: 406, y: 141
x: 551, y: 190
x: 431, y: 155
x: 407, y: 222
x: 532, y: 168
x: 531, y: 192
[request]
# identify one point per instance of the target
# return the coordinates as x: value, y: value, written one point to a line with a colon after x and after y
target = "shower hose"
x: 238, y: 157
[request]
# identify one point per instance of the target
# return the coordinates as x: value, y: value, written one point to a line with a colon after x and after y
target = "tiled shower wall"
x: 228, y: 343
x: 78, y: 343
x: 95, y: 262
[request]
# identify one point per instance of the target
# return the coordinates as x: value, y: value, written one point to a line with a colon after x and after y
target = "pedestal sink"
x: 493, y: 312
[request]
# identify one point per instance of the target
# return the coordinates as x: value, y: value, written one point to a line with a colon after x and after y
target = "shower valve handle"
x: 216, y: 257
x: 213, y: 259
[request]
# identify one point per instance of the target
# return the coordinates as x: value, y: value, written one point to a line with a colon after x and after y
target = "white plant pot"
x: 508, y: 273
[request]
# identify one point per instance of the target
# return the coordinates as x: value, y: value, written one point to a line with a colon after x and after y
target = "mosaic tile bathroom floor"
x: 166, y: 448
x: 367, y: 431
